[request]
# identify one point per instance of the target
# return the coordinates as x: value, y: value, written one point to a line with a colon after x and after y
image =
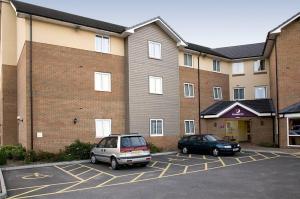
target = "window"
x: 260, y: 92
x: 102, y: 81
x: 239, y: 93
x: 155, y: 85
x: 216, y: 66
x: 238, y: 68
x: 259, y: 66
x: 102, y: 44
x: 156, y: 127
x: 111, y: 142
x: 103, y: 127
x: 217, y: 93
x: 188, y: 90
x: 154, y: 50
x: 189, y: 126
x: 188, y: 60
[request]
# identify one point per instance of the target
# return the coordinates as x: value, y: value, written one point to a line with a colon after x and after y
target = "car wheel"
x: 93, y: 159
x: 114, y: 163
x: 215, y: 152
x: 185, y: 150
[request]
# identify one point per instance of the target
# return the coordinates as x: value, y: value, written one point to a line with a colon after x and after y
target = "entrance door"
x: 243, y: 131
x: 237, y: 130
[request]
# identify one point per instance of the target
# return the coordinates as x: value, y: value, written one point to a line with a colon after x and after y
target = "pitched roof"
x: 294, y: 108
x: 242, y: 51
x: 260, y: 106
x: 204, y: 49
x: 66, y: 17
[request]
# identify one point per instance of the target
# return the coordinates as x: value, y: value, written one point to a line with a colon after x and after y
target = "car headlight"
x: 227, y: 147
x: 238, y: 145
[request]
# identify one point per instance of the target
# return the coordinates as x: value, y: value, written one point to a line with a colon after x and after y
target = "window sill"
x: 103, y: 52
x: 189, y: 97
x: 220, y: 99
x: 156, y: 93
x: 216, y: 71
x: 154, y: 58
x: 103, y: 91
x: 235, y: 75
x: 156, y: 135
x: 188, y: 66
x: 189, y: 133
x: 260, y: 72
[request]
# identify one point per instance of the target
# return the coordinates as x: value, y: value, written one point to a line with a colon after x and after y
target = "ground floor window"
x: 293, y: 131
x: 189, y: 126
x: 156, y: 127
x: 103, y: 127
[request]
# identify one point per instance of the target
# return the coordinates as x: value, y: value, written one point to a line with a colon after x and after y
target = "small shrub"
x: 154, y: 148
x: 2, y: 157
x: 30, y: 156
x: 45, y: 156
x: 78, y: 151
x: 14, y: 152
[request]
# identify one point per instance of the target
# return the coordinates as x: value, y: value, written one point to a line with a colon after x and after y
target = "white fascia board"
x: 278, y: 30
x: 292, y: 115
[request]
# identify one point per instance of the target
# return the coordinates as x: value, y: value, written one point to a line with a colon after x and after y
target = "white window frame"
x: 157, y: 92
x: 162, y: 128
x: 185, y: 64
x: 218, y: 66
x: 241, y: 68
x: 149, y: 50
x: 220, y: 97
x: 288, y: 118
x: 257, y: 64
x: 100, y: 87
x: 102, y: 120
x: 193, y: 90
x: 266, y: 92
x: 100, y: 48
x: 240, y: 88
x: 185, y: 129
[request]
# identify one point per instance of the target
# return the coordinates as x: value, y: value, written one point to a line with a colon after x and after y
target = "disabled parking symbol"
x: 34, y: 176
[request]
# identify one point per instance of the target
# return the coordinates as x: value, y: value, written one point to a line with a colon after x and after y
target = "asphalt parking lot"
x: 245, y: 175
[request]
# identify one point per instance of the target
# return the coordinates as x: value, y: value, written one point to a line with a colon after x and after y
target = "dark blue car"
x: 207, y: 144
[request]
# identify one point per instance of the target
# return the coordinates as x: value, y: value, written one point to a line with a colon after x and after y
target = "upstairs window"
x: 188, y: 90
x: 155, y: 85
x: 102, y: 81
x: 216, y: 66
x: 102, y: 44
x: 154, y: 50
x: 188, y: 60
x: 239, y: 93
x: 260, y: 92
x: 217, y: 93
x: 259, y: 66
x: 238, y: 68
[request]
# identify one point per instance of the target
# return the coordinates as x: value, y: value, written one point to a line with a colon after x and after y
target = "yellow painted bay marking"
x: 164, y: 171
x: 35, y: 176
x: 190, y: 155
x: 177, y: 154
x: 67, y: 172
x: 21, y: 194
x: 42, y: 185
x: 252, y: 158
x: 67, y: 166
x: 141, y: 180
x: 154, y: 163
x: 79, y: 183
x: 185, y: 169
x: 137, y: 177
x: 222, y: 162
x: 204, y: 157
x: 107, y: 181
x: 238, y: 160
x: 75, y: 169
x: 84, y: 172
x: 98, y: 170
x: 205, y: 166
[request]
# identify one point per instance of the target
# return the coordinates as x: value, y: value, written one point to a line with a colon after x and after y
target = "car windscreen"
x: 212, y: 138
x: 133, y: 141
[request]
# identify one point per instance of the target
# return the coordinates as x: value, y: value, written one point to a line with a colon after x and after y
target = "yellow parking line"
x: 154, y: 163
x: 177, y: 154
x: 107, y: 181
x: 222, y: 162
x: 42, y: 185
x: 205, y: 166
x: 238, y: 160
x: 84, y: 172
x: 15, y: 196
x: 71, y: 174
x: 262, y: 155
x: 252, y: 158
x: 137, y: 177
x: 75, y: 169
x: 67, y: 166
x: 164, y: 171
x: 190, y: 155
x: 185, y: 169
x: 97, y: 170
x: 204, y: 157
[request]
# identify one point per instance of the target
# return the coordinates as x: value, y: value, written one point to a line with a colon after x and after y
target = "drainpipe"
x: 30, y: 86
x: 199, y: 103
x: 277, y: 92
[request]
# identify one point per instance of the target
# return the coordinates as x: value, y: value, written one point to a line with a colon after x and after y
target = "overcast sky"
x: 212, y: 23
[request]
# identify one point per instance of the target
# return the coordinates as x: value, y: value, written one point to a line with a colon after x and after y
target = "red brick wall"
x: 63, y: 89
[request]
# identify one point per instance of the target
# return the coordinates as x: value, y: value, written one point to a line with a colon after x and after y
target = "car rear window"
x: 133, y: 141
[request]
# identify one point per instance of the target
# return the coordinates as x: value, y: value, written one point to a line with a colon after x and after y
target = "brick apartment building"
x: 67, y: 77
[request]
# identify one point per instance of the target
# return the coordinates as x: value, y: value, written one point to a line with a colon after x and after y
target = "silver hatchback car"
x: 122, y: 150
